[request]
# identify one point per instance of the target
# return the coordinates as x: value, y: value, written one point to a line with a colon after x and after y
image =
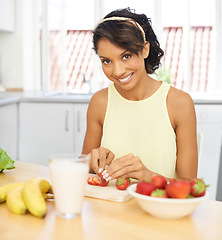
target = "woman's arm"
x: 95, y: 118
x: 183, y: 119
x: 94, y: 126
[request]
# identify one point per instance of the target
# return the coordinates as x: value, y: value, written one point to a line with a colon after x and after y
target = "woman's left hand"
x: 128, y: 166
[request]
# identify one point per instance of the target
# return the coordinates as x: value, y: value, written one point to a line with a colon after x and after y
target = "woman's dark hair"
x: 127, y: 36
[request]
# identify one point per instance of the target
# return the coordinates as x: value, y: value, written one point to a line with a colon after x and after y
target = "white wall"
x: 19, y: 50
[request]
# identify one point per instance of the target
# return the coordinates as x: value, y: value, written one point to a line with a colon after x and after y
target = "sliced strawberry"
x: 96, y: 181
x: 90, y: 181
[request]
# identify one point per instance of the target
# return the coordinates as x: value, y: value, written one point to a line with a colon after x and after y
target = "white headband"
x: 124, y: 19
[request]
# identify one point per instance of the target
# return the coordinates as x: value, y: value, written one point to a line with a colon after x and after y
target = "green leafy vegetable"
x: 5, y: 161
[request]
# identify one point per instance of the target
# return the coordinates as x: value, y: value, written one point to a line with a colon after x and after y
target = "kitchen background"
x: 48, y: 72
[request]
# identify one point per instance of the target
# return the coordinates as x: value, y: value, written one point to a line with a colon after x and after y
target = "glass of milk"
x: 68, y: 174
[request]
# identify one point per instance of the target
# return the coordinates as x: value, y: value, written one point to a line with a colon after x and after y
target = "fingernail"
x: 100, y: 170
x: 108, y: 179
x: 105, y: 171
x: 106, y: 175
x: 106, y: 166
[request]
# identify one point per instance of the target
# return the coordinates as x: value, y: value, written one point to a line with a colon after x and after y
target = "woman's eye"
x: 106, y: 61
x: 126, y: 56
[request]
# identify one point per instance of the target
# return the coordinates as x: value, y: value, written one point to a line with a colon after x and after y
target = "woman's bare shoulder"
x: 180, y: 106
x: 98, y: 104
x: 100, y: 97
x: 179, y: 98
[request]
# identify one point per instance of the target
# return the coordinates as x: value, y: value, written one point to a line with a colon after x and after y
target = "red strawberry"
x: 172, y: 180
x: 122, y: 183
x: 104, y: 183
x: 178, y: 189
x: 161, y: 193
x: 96, y: 181
x: 89, y: 180
x: 198, y: 187
x: 159, y: 181
x: 145, y: 188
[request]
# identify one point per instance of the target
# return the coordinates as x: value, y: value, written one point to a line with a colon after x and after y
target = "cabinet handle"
x: 78, y: 121
x: 67, y: 121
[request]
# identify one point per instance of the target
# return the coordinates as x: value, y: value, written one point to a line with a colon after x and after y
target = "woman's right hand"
x: 99, y: 159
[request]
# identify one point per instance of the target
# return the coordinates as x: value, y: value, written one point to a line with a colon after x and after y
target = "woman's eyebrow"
x: 120, y: 54
x: 123, y: 52
x: 103, y: 57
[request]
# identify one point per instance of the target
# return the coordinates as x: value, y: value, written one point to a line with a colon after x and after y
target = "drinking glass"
x: 68, y: 174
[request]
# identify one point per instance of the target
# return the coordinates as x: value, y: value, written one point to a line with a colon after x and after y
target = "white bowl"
x: 168, y: 208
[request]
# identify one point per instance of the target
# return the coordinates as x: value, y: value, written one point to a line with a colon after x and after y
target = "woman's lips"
x: 126, y: 79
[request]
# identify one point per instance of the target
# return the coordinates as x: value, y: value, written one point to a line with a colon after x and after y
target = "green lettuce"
x: 5, y: 161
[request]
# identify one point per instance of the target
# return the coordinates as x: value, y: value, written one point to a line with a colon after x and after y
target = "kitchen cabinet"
x: 49, y: 128
x: 45, y: 128
x: 209, y: 122
x: 8, y: 129
x: 7, y: 18
x: 80, y: 111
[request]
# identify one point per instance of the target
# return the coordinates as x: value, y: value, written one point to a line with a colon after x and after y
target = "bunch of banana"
x: 15, y: 202
x: 33, y: 195
x: 29, y: 196
x: 6, y: 188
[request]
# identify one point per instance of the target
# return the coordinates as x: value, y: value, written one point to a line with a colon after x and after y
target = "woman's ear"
x: 146, y: 50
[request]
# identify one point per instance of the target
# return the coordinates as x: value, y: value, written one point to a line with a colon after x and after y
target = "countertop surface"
x: 9, y: 97
x: 64, y: 97
x: 102, y: 219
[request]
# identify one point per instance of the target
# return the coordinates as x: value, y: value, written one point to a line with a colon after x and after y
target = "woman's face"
x: 122, y: 67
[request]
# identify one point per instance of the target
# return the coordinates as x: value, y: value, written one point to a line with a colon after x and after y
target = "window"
x: 190, y: 38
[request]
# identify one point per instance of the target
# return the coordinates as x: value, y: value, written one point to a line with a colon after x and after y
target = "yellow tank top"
x: 142, y: 128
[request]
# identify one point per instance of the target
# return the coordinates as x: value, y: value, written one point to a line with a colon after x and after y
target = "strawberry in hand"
x: 198, y: 187
x: 104, y: 183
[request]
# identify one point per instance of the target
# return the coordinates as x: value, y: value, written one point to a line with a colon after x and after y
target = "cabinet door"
x: 7, y: 12
x: 45, y: 128
x: 209, y: 122
x: 80, y: 111
x: 8, y: 129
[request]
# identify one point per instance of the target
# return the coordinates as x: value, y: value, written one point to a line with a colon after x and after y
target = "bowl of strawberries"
x: 172, y: 199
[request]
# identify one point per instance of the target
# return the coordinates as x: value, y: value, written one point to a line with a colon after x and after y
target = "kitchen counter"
x: 103, y: 219
x: 58, y: 96
x: 49, y: 97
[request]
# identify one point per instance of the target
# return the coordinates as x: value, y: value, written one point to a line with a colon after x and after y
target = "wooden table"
x: 104, y: 220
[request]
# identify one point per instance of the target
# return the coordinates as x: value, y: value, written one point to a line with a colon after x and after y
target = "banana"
x: 15, y: 202
x: 33, y: 196
x: 5, y: 188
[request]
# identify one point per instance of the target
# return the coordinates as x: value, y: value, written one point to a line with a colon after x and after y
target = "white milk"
x: 68, y: 183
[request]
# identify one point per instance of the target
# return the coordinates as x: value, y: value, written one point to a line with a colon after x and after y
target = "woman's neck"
x: 142, y: 90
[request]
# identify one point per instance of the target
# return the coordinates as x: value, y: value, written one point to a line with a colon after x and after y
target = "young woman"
x: 137, y: 127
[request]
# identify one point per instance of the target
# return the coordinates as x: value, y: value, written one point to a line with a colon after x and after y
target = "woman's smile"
x: 125, y: 79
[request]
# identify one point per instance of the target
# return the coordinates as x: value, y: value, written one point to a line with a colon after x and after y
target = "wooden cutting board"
x: 109, y: 192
